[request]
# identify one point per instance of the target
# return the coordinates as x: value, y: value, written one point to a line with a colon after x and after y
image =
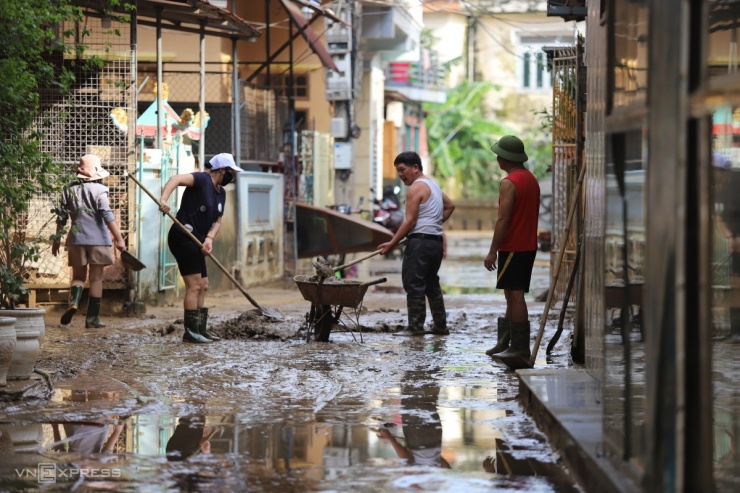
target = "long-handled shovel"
x: 518, y: 362
x: 566, y: 298
x: 268, y: 312
x: 364, y: 257
x: 558, y: 265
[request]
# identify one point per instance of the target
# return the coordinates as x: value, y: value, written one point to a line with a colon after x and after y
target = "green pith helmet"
x: 510, y: 148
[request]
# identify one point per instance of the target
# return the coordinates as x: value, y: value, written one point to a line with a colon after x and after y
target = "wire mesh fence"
x: 78, y: 124
x: 183, y: 92
x: 259, y: 120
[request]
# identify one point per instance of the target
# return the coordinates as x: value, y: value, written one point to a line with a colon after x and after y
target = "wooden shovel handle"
x: 364, y: 257
x: 198, y: 242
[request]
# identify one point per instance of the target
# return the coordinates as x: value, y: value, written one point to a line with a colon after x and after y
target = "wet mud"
x: 264, y: 410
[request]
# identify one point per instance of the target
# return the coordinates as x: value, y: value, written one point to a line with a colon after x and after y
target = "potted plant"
x: 39, y: 63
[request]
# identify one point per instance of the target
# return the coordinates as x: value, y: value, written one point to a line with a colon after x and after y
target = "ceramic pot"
x: 26, y: 438
x: 7, y: 346
x: 27, y: 348
x: 33, y: 318
x: 6, y: 443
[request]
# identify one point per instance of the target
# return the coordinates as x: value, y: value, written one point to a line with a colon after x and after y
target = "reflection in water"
x: 421, y: 426
x: 238, y: 455
x: 624, y: 269
x: 191, y: 437
x: 469, y: 277
x: 299, y: 453
x: 86, y: 438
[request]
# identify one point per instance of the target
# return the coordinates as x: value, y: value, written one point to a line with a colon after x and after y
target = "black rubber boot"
x: 203, y: 324
x: 517, y: 356
x: 504, y: 337
x: 417, y: 308
x: 192, y: 319
x: 75, y: 294
x: 439, y: 315
x: 93, y: 311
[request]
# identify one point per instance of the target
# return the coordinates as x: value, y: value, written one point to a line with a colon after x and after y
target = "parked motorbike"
x: 387, y: 212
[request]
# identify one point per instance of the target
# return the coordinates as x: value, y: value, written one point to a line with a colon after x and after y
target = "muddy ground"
x: 283, y: 414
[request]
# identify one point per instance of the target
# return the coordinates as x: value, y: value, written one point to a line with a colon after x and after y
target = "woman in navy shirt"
x: 200, y: 212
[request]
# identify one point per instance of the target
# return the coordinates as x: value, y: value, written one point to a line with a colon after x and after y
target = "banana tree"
x: 460, y: 136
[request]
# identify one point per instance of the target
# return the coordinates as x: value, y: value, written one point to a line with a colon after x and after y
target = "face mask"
x: 228, y: 177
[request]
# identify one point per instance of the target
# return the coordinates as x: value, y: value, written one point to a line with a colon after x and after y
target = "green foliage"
x: 37, y: 57
x: 460, y: 136
x: 427, y: 38
x: 539, y: 143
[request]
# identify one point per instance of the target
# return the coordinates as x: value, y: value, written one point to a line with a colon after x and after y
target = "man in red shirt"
x: 513, y: 250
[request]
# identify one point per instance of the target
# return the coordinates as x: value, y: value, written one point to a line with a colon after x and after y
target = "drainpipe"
x: 133, y: 293
x: 235, y: 90
x: 291, y: 110
x: 160, y: 106
x: 202, y: 98
x: 267, y: 39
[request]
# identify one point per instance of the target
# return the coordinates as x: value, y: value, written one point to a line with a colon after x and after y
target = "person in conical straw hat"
x: 85, y: 204
x: 513, y: 250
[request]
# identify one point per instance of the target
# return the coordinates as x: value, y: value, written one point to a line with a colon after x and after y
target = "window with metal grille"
x: 281, y: 84
x: 534, y: 74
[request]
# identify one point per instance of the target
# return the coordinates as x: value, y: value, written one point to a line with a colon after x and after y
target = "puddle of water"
x: 424, y: 429
x: 470, y: 290
x: 463, y: 277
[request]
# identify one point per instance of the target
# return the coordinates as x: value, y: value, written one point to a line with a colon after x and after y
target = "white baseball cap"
x: 224, y: 160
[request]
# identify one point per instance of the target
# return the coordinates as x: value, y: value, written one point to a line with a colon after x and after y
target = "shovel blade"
x: 271, y: 313
x: 132, y: 262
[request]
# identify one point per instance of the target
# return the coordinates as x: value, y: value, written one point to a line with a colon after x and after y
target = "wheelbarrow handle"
x: 364, y: 257
x: 377, y: 281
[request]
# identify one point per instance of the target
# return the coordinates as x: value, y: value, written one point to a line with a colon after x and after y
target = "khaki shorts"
x: 80, y: 255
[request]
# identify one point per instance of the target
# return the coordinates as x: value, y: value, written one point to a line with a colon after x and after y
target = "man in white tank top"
x: 427, y: 207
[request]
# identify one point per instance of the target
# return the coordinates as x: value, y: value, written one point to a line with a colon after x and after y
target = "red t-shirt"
x: 522, y: 233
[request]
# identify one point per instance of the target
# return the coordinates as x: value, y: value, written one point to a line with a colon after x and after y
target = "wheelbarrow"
x: 328, y: 299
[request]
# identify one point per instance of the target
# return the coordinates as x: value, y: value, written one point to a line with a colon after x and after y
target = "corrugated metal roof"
x: 181, y: 15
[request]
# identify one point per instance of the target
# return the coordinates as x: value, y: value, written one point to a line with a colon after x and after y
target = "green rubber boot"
x: 417, y: 308
x: 93, y: 311
x: 192, y: 326
x: 517, y: 356
x: 203, y: 324
x: 75, y: 294
x: 439, y: 315
x: 504, y: 337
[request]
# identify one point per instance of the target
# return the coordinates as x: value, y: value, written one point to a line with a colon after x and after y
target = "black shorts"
x: 515, y: 270
x: 190, y: 260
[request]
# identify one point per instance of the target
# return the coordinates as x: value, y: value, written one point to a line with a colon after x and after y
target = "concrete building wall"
x: 451, y: 33
x: 318, y: 110
x: 368, y: 148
